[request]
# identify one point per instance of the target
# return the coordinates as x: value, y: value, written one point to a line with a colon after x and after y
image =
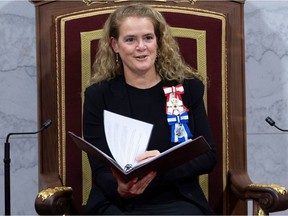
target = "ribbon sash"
x: 177, y: 114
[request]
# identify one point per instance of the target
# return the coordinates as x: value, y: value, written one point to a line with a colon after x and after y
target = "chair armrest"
x: 270, y: 197
x: 54, y: 198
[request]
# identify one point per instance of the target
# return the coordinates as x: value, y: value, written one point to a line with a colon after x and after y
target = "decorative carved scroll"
x: 90, y: 2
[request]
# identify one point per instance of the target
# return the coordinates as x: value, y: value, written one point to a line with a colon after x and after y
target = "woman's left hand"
x: 146, y: 156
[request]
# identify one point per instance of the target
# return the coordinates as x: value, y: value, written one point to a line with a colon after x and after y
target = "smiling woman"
x: 137, y: 47
x: 138, y: 72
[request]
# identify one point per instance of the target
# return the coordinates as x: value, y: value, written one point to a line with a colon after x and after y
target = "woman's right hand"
x: 134, y: 187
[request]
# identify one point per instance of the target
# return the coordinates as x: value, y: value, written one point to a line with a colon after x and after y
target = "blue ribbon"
x: 179, y: 122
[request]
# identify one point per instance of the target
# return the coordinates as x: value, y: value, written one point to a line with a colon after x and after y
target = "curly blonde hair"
x: 169, y: 63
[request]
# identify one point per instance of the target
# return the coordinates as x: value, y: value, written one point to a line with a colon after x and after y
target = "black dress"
x: 176, y: 192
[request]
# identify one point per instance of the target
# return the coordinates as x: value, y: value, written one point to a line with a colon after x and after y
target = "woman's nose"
x: 141, y: 44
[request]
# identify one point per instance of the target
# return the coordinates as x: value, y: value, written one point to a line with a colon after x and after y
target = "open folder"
x: 167, y: 160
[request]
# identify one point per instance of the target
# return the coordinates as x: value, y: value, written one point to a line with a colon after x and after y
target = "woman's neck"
x: 143, y: 82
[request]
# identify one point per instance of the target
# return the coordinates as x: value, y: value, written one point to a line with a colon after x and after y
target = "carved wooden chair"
x: 211, y: 39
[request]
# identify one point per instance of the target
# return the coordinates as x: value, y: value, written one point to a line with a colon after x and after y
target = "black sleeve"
x: 98, y: 204
x: 104, y: 196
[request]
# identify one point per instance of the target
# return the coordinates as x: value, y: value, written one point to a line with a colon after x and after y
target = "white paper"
x: 126, y: 137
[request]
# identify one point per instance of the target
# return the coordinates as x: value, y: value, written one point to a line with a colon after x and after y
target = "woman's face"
x: 136, y: 45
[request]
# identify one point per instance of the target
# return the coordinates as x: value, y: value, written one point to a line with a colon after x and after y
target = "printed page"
x: 126, y: 137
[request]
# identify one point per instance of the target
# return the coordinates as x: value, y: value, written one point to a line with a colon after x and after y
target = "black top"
x: 147, y: 105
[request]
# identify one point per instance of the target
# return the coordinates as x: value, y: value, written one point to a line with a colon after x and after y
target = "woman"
x: 137, y: 72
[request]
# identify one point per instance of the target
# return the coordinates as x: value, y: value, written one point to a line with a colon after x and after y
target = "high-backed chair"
x: 211, y: 39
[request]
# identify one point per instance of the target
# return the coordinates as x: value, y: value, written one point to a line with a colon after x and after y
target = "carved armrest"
x: 54, y: 199
x: 270, y: 197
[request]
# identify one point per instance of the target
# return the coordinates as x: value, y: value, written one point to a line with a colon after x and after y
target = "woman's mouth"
x: 141, y: 57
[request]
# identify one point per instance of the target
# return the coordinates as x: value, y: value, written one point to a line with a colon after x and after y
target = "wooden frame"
x: 239, y: 187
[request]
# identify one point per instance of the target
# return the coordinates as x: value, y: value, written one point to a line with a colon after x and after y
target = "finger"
x: 149, y: 177
x: 124, y: 189
x: 137, y: 188
x: 144, y: 182
x: 147, y: 155
x: 120, y: 180
x: 116, y: 175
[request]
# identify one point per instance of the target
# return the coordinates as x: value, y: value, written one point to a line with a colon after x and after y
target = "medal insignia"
x: 177, y: 113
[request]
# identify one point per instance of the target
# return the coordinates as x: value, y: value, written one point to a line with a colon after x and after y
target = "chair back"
x: 210, y: 36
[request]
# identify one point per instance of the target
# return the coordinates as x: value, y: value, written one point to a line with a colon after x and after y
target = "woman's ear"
x: 114, y: 44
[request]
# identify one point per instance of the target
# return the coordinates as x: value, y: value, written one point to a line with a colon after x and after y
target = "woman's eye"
x: 129, y: 39
x: 149, y: 37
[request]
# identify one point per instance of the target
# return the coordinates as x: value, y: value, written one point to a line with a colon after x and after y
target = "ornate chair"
x: 211, y: 39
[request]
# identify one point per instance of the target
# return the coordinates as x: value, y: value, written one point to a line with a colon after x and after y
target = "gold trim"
x: 200, y: 37
x: 186, y: 1
x: 58, y: 98
x: 60, y: 71
x: 280, y: 189
x: 261, y: 212
x: 162, y: 8
x: 63, y: 116
x: 191, y: 11
x: 88, y: 13
x: 225, y: 110
x: 60, y: 95
x: 86, y: 38
x: 90, y: 2
x: 61, y: 82
x: 86, y: 178
x: 45, y: 194
x: 62, y: 101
